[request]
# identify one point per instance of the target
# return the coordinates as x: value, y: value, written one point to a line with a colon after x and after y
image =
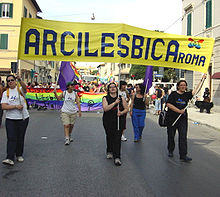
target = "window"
x: 208, y: 13
x: 3, y: 41
x: 25, y: 12
x: 30, y: 16
x: 182, y: 74
x: 189, y: 24
x: 6, y: 10
x: 52, y: 64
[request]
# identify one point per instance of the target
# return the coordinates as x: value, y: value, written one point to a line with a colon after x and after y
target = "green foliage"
x: 94, y: 72
x: 169, y: 74
x: 138, y: 71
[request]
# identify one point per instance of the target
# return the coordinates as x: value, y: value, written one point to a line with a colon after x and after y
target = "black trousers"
x: 182, y: 126
x: 1, y: 114
x: 16, y: 130
x: 113, y: 140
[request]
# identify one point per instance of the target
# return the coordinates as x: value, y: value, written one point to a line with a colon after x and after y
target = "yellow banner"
x: 99, y: 42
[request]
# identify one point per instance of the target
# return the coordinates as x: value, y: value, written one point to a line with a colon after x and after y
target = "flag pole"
x: 203, y: 79
x: 19, y: 96
x: 119, y: 78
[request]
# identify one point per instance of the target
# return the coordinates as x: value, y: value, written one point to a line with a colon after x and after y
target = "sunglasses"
x: 10, y: 80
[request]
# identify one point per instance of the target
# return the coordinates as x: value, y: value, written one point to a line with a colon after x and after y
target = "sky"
x: 162, y: 15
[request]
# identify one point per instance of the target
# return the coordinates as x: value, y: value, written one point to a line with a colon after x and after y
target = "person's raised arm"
x: 198, y: 87
x: 57, y: 97
x: 23, y: 85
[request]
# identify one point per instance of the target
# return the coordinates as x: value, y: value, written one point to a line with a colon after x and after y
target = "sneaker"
x: 117, y: 162
x: 185, y: 159
x: 20, y: 159
x: 67, y: 141
x: 136, y: 140
x: 109, y: 155
x: 8, y: 162
x: 123, y: 138
x: 170, y: 154
x: 71, y: 139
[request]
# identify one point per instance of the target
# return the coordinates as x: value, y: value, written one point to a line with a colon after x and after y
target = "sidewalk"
x: 212, y: 119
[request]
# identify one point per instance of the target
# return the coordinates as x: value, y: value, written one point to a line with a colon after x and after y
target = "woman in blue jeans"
x: 138, y: 111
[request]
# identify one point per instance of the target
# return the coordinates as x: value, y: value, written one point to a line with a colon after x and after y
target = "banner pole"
x: 119, y: 78
x: 203, y: 79
x: 19, y: 96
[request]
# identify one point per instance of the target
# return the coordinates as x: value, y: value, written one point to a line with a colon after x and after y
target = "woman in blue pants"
x: 138, y: 111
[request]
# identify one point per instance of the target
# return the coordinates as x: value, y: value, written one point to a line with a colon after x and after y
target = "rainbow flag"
x: 110, y: 78
x: 44, y: 97
x: 77, y: 75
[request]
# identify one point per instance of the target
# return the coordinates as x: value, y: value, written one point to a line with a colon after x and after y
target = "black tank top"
x: 139, y: 103
x: 110, y: 117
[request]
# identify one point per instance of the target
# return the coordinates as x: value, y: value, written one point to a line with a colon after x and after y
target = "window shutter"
x: 208, y: 14
x: 25, y: 12
x: 0, y: 9
x: 189, y: 24
x: 3, y: 41
x: 11, y: 10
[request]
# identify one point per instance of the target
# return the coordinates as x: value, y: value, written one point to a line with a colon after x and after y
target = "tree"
x: 138, y: 71
x: 169, y: 74
x: 94, y: 72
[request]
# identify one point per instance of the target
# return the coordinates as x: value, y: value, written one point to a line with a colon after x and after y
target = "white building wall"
x: 199, y: 29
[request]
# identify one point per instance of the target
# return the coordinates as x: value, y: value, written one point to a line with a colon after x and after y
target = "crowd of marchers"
x: 121, y: 99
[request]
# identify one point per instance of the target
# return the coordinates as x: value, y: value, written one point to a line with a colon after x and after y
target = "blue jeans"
x: 138, y: 122
x: 158, y: 104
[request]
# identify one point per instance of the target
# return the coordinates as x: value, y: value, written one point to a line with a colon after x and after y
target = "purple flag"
x: 66, y: 74
x: 148, y: 78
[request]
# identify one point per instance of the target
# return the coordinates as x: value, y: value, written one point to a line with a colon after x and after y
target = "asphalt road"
x: 81, y: 169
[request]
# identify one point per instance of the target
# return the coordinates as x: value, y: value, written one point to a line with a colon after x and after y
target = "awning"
x: 216, y: 76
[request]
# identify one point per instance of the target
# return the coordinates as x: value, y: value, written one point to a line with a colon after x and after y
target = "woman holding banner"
x: 17, y: 118
x: 69, y: 110
x: 138, y: 111
x: 111, y: 115
x: 178, y: 117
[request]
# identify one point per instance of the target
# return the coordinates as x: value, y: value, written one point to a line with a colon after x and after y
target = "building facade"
x: 112, y: 69
x: 202, y: 18
x: 11, y: 13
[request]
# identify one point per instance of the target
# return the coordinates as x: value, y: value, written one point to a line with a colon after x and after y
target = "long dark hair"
x: 142, y: 88
x: 121, y: 84
x: 7, y: 79
x: 108, y: 87
x: 179, y: 82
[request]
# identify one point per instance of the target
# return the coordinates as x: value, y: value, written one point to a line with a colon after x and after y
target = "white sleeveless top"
x: 69, y: 105
x: 15, y: 99
x: 123, y: 94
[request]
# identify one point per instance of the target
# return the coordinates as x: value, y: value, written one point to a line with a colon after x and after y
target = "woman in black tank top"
x: 110, y: 121
x: 138, y: 111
